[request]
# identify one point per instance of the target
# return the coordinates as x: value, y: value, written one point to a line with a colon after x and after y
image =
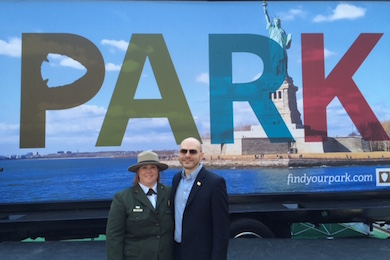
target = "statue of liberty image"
x: 277, y: 34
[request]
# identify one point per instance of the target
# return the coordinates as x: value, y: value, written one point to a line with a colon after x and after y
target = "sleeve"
x: 115, y: 230
x: 221, y: 220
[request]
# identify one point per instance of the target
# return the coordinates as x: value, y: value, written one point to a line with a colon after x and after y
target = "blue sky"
x: 185, y: 27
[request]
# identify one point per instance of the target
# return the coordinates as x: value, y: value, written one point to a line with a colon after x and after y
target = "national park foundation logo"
x: 383, y: 177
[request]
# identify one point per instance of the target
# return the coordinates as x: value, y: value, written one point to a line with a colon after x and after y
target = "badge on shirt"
x: 138, y: 209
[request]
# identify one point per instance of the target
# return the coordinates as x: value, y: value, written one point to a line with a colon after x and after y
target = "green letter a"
x: 123, y: 106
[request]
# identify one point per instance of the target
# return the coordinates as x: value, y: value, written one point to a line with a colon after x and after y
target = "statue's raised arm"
x: 267, y: 19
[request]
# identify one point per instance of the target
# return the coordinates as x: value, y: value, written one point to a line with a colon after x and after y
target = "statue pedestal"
x: 285, y: 101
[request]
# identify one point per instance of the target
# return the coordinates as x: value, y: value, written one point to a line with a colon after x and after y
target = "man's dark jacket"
x: 205, y: 230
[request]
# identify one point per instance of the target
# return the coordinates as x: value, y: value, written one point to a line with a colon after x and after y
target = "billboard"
x: 117, y: 77
x: 74, y: 111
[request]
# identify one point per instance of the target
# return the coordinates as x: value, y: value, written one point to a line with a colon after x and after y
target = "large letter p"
x: 37, y: 97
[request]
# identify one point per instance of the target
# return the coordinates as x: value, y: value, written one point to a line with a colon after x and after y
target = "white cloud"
x: 148, y: 133
x: 64, y: 61
x: 13, y: 48
x: 121, y: 45
x: 160, y: 141
x: 328, y: 53
x: 114, y: 45
x: 292, y: 14
x: 152, y: 139
x: 6, y: 129
x: 144, y: 125
x: 382, y: 113
x: 338, y: 122
x: 244, y: 114
x: 320, y: 18
x: 203, y: 78
x: 347, y: 11
x: 113, y: 67
x: 341, y: 12
x: 79, y: 121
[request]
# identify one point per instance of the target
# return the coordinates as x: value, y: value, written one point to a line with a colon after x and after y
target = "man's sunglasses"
x: 185, y: 151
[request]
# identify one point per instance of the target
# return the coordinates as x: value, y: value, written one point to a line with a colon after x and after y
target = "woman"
x: 140, y: 226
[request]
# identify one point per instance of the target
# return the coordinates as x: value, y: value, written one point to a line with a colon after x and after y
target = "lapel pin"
x: 199, y: 183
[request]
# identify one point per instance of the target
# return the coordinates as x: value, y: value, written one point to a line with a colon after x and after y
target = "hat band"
x: 149, y: 161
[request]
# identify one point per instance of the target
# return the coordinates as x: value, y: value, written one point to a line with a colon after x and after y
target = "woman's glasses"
x: 191, y: 151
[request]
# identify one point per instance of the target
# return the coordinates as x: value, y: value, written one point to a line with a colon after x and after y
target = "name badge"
x: 138, y: 209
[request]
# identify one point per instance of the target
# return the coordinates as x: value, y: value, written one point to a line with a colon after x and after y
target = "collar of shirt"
x: 193, y: 175
x: 146, y: 189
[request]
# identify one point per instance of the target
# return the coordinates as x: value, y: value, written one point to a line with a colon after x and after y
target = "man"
x: 200, y: 203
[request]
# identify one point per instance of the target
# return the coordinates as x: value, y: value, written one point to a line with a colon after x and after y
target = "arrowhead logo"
x: 384, y: 177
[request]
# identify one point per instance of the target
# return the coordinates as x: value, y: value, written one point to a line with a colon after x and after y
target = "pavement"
x: 245, y: 249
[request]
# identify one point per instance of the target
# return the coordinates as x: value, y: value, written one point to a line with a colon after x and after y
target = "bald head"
x: 192, y: 142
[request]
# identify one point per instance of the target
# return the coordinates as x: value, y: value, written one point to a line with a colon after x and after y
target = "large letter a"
x: 123, y: 106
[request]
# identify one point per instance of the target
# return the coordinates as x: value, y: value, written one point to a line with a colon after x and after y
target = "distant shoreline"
x: 281, y: 163
x: 244, y: 161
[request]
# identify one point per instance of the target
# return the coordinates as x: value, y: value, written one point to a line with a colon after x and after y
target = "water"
x: 101, y: 178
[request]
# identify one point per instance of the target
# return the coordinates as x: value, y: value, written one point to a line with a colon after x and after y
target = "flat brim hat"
x: 147, y: 158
